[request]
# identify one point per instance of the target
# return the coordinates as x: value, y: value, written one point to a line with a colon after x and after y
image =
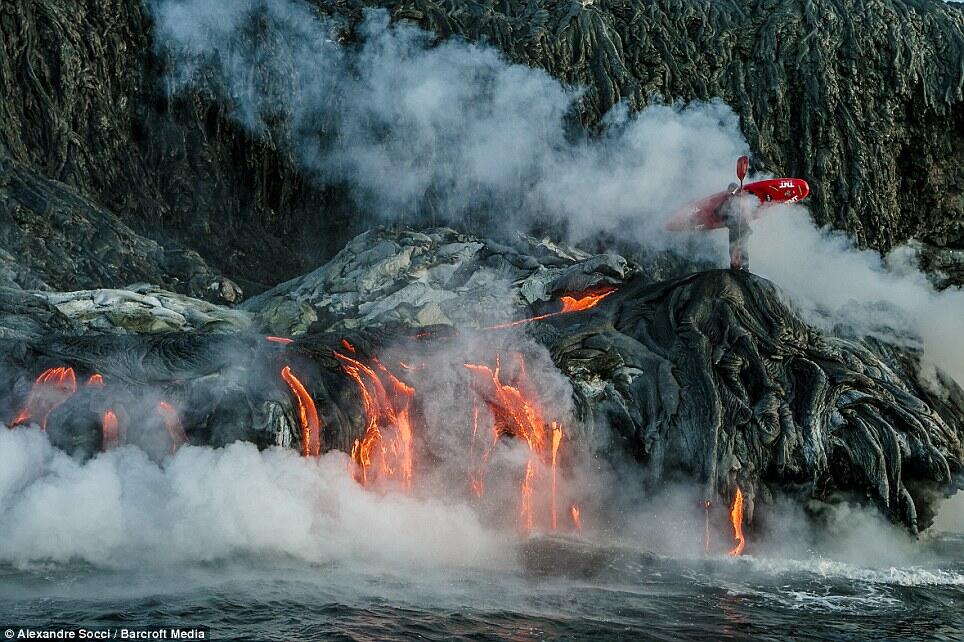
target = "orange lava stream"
x: 570, y: 303
x: 525, y: 510
x: 50, y: 389
x: 307, y: 414
x: 736, y: 519
x: 515, y: 412
x: 110, y: 431
x: 282, y: 340
x: 576, y: 519
x: 172, y: 424
x: 95, y: 381
x: 387, y: 401
x: 556, y: 440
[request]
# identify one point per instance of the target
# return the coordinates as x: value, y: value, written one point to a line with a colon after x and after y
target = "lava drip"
x: 110, y: 431
x: 576, y: 518
x: 515, y: 411
x: 307, y: 414
x: 388, y: 437
x: 172, y: 424
x: 736, y: 519
x: 52, y: 388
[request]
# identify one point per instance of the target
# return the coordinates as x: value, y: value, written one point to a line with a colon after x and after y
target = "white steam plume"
x: 121, y: 509
x: 445, y: 131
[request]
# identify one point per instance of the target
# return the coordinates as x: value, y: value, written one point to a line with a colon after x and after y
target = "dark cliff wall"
x: 862, y: 98
x: 82, y: 101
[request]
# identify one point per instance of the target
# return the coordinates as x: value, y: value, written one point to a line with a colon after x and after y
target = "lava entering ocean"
x: 736, y: 519
x: 307, y: 414
x: 54, y: 386
x: 386, y: 401
x: 514, y: 409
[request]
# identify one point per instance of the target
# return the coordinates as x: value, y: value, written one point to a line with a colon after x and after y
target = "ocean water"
x: 268, y: 545
x: 631, y: 597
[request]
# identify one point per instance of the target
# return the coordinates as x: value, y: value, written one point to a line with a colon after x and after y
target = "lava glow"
x: 95, y: 381
x: 515, y: 411
x: 282, y: 340
x: 385, y: 449
x: 556, y: 440
x: 307, y: 414
x: 110, y: 431
x: 736, y: 519
x: 50, y: 389
x: 570, y: 303
x: 576, y: 519
x: 172, y: 424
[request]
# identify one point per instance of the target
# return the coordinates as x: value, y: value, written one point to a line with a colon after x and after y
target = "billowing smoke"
x: 837, y: 283
x: 445, y: 132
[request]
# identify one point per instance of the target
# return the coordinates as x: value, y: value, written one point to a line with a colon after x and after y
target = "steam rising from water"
x: 121, y: 509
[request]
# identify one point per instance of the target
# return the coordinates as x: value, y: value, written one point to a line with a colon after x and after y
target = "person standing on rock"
x: 736, y: 207
x: 731, y: 212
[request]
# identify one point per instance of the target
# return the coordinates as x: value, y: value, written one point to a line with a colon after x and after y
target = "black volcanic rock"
x: 710, y: 377
x: 862, y: 99
x: 60, y: 240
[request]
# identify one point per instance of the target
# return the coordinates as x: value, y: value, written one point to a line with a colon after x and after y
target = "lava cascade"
x: 736, y: 519
x: 385, y: 450
x: 50, y: 390
x: 516, y: 412
x: 307, y: 414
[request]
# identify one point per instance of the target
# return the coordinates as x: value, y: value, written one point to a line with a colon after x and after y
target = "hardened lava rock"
x: 711, y: 376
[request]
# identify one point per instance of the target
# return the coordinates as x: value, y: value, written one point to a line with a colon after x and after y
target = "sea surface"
x: 629, y: 596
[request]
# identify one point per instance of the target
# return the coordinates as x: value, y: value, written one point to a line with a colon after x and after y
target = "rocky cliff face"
x: 862, y: 99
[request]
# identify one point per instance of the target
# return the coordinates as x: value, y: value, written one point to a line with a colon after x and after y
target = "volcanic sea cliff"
x: 160, y: 244
x: 710, y: 377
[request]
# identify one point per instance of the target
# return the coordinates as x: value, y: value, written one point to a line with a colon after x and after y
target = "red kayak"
x: 702, y: 215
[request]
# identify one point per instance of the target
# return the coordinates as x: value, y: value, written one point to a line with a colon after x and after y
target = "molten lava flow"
x: 387, y: 401
x: 95, y: 381
x: 307, y: 413
x: 556, y: 440
x: 515, y: 411
x: 283, y: 340
x: 110, y: 431
x: 525, y: 511
x: 51, y: 389
x: 584, y: 300
x: 172, y: 424
x: 576, y: 520
x: 570, y: 303
x: 736, y: 519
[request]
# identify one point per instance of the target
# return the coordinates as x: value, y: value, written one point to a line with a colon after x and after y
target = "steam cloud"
x: 121, y: 509
x: 447, y: 131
